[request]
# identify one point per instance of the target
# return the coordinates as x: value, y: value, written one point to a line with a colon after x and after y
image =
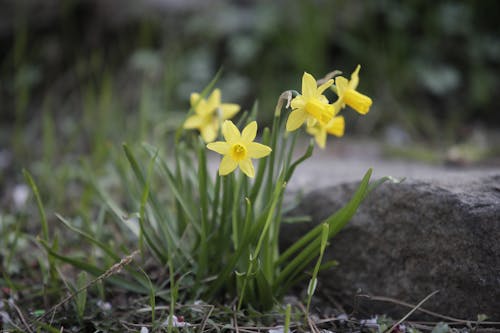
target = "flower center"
x: 318, y: 110
x: 359, y: 102
x: 238, y: 152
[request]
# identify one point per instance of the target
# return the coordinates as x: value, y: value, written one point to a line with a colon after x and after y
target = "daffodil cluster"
x: 218, y: 237
x: 313, y: 108
x: 239, y: 148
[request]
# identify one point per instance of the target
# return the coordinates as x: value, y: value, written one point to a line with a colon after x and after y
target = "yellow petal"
x: 336, y: 126
x: 257, y: 150
x: 320, y: 138
x: 247, y: 167
x: 309, y: 86
x: 213, y: 100
x: 227, y: 165
x: 313, y: 130
x: 229, y: 110
x: 322, y: 99
x: 230, y: 131
x: 220, y: 147
x: 193, y: 122
x: 342, y: 85
x: 311, y: 121
x: 337, y: 106
x: 298, y: 102
x: 295, y: 119
x: 249, y: 132
x: 324, y: 86
x: 353, y: 83
x: 209, y: 133
x: 202, y: 109
x: 319, y: 133
x: 195, y: 97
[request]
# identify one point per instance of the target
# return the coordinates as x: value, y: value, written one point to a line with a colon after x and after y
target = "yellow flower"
x: 209, y: 113
x: 320, y: 130
x: 346, y: 90
x: 238, y: 149
x: 311, y: 106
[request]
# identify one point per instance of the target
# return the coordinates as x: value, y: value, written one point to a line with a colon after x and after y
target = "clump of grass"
x: 210, y: 236
x: 218, y: 236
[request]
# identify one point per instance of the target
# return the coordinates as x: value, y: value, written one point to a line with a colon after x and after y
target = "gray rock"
x: 410, y: 239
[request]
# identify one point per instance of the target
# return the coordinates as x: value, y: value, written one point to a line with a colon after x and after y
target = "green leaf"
x: 309, y: 244
x: 172, y: 240
x: 304, y: 157
x: 140, y: 287
x: 265, y: 291
x: 110, y: 252
x: 81, y: 296
x: 31, y: 182
x: 187, y: 205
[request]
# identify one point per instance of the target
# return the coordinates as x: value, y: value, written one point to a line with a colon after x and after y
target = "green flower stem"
x: 288, y: 157
x: 304, y: 157
x: 235, y: 211
x: 248, y: 218
x: 271, y: 158
x: 202, y: 184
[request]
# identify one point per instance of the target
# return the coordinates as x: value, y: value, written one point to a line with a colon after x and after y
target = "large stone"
x: 410, y: 239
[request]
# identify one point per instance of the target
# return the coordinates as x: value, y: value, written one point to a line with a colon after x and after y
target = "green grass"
x: 166, y: 208
x: 66, y: 255
x: 94, y: 205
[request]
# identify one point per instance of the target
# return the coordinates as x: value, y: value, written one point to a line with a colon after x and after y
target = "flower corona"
x: 311, y: 106
x: 346, y: 90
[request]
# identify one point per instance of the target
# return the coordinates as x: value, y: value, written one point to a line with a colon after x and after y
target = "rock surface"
x: 437, y: 230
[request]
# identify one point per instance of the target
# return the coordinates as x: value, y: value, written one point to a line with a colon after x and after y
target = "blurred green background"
x: 87, y: 72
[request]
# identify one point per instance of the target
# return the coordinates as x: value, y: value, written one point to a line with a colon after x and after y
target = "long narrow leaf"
x: 335, y: 223
x: 96, y: 271
x: 41, y: 210
x: 187, y: 205
x: 90, y: 238
x: 348, y: 209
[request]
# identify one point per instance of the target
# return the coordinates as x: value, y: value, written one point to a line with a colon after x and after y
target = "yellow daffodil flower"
x: 346, y: 90
x: 311, y: 106
x: 209, y: 113
x: 320, y: 130
x: 238, y: 149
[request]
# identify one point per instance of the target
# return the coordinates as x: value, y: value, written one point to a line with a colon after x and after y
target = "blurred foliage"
x: 431, y: 67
